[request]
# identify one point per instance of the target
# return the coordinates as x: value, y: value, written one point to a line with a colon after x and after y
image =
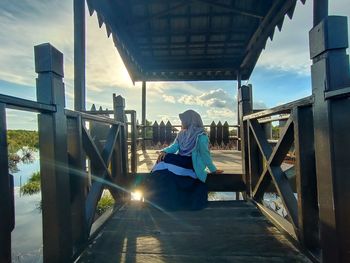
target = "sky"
x: 282, y: 73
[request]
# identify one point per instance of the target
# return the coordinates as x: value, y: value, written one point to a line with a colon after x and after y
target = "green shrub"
x: 105, y: 203
x: 33, y: 185
x: 30, y: 188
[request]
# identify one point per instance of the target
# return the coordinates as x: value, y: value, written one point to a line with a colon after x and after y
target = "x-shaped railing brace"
x: 101, y: 162
x: 272, y: 170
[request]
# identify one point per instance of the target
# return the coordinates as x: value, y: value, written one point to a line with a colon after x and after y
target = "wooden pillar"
x: 143, y: 114
x: 239, y: 84
x: 133, y: 147
x: 245, y: 107
x: 6, y: 200
x: 306, y: 178
x: 55, y: 185
x: 79, y: 55
x: 320, y: 11
x: 330, y: 88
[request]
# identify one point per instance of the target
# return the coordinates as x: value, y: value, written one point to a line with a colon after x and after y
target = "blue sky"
x: 282, y: 73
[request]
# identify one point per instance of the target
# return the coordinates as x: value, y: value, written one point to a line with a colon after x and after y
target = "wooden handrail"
x: 90, y: 117
x: 26, y: 105
x: 285, y: 108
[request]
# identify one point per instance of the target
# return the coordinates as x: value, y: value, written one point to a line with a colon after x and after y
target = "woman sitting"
x: 178, y: 179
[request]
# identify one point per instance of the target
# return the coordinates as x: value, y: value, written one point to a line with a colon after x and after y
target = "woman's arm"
x: 205, y: 154
x: 172, y: 148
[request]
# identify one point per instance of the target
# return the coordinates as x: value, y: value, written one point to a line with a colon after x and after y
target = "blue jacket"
x: 200, y: 156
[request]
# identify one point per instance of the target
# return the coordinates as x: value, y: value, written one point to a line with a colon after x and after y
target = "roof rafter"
x: 231, y: 8
x: 160, y: 14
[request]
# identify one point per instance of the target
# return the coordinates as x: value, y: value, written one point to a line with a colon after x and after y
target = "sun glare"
x: 137, y: 196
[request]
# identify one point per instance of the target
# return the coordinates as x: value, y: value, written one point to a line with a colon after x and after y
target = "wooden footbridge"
x: 83, y: 152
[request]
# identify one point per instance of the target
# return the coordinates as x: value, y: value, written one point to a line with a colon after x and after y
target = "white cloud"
x: 215, y: 98
x: 168, y: 98
x: 222, y: 115
x: 191, y: 100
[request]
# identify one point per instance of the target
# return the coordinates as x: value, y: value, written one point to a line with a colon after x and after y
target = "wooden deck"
x: 228, y: 160
x: 224, y: 232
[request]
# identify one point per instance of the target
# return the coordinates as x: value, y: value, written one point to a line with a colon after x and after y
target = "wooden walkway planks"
x: 227, y: 160
x: 223, y: 232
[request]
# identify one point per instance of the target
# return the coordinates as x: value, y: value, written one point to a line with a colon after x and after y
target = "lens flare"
x: 137, y: 196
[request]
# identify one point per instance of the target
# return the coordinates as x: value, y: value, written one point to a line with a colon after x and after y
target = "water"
x: 26, y: 170
x: 27, y: 235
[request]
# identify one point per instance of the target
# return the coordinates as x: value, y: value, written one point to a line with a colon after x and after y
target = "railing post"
x: 55, y: 183
x: 133, y: 147
x: 78, y: 182
x: 268, y: 130
x: 6, y: 200
x: 212, y: 134
x: 225, y: 133
x: 119, y: 115
x: 245, y: 104
x: 162, y: 132
x: 168, y: 132
x: 330, y: 87
x: 155, y: 131
x: 219, y: 133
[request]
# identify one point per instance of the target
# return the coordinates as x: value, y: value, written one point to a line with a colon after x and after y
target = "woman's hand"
x: 218, y: 171
x: 161, y: 156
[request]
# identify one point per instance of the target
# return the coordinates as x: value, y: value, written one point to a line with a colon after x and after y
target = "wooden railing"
x: 264, y: 168
x: 81, y: 154
x: 165, y: 133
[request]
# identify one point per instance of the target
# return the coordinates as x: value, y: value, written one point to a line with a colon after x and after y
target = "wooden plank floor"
x: 227, y: 160
x: 224, y: 232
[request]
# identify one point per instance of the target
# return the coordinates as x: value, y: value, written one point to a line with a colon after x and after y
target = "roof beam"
x: 228, y: 44
x: 190, y: 31
x: 231, y: 8
x: 159, y: 14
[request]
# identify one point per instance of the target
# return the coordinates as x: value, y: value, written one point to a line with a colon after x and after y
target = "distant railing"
x: 165, y: 133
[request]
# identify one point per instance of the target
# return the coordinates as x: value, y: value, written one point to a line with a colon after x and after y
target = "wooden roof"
x: 161, y: 40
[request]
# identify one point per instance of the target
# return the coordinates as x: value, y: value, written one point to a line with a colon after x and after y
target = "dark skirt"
x: 170, y: 191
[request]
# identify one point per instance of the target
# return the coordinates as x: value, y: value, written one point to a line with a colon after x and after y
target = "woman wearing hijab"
x: 178, y: 179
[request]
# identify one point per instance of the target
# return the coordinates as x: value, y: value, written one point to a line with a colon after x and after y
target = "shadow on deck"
x: 223, y: 232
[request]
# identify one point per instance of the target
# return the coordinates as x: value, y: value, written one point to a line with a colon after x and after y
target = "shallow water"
x: 27, y: 236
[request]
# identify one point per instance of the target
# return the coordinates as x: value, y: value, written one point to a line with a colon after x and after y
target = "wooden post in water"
x: 331, y: 89
x: 55, y: 183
